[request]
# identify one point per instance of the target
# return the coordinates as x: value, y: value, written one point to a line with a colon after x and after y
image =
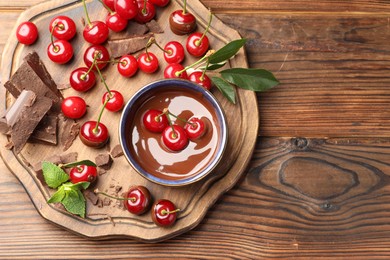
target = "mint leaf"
x: 250, y: 79
x: 54, y: 176
x: 58, y: 196
x: 74, y: 202
x: 226, y: 52
x: 83, y: 162
x: 226, y: 88
x: 83, y: 185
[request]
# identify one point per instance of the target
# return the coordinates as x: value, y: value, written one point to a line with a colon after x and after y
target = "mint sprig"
x: 68, y: 194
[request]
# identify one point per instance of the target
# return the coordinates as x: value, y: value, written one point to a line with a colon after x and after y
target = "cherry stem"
x: 198, y: 42
x: 181, y: 119
x: 103, y: 80
x: 106, y: 7
x: 204, y: 71
x: 86, y: 13
x: 144, y: 9
x: 152, y: 40
x: 95, y: 130
x: 82, y: 77
x: 96, y: 191
x: 193, y: 64
x: 166, y: 112
x: 185, y: 7
x: 55, y: 47
x: 166, y: 212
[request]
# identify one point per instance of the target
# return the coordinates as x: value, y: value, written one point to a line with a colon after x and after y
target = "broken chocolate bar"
x: 121, y: 47
x: 46, y: 131
x: 133, y: 29
x: 154, y: 27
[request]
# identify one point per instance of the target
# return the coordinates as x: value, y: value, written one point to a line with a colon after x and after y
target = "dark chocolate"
x: 154, y: 27
x: 69, y: 130
x: 104, y: 161
x: 133, y: 29
x: 69, y: 157
x: 122, y: 47
x: 117, y: 151
x: 46, y: 131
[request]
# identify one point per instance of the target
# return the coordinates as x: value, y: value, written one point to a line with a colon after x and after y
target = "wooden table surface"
x: 318, y: 181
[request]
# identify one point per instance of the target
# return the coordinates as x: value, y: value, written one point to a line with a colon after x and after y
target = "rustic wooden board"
x: 113, y: 221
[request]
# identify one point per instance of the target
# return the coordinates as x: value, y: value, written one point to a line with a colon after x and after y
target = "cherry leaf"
x: 226, y: 88
x: 226, y: 52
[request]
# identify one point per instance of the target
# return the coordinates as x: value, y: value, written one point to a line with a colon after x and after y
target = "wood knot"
x: 300, y: 142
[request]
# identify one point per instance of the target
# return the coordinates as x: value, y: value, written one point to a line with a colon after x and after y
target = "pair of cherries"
x: 174, y: 136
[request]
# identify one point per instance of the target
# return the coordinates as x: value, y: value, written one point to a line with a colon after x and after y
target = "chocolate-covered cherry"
x: 148, y: 62
x: 138, y: 200
x: 95, y: 32
x: 62, y: 27
x: 146, y: 11
x: 60, y: 51
x: 127, y: 66
x: 182, y: 22
x: 83, y: 173
x: 94, y: 134
x: 27, y: 33
x: 175, y: 70
x: 174, y: 52
x: 127, y: 9
x: 164, y: 213
x: 175, y: 138
x: 160, y: 3
x: 115, y: 100
x: 97, y: 53
x: 195, y: 128
x: 200, y: 78
x: 73, y: 107
x: 82, y: 79
x: 155, y: 120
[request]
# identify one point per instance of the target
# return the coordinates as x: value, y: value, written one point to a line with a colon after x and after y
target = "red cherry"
x: 83, y: 173
x: 82, y: 79
x: 148, y: 62
x: 182, y: 22
x: 64, y: 27
x: 138, y: 200
x: 73, y: 107
x: 127, y: 9
x: 92, y: 136
x: 174, y: 52
x: 196, y: 46
x: 27, y: 33
x: 164, y: 213
x: 115, y: 22
x: 204, y: 81
x: 195, y: 128
x: 155, y: 121
x: 172, y: 70
x: 96, y: 32
x: 160, y: 3
x: 146, y: 11
x: 115, y: 102
x: 175, y: 138
x: 127, y: 66
x: 110, y: 4
x: 103, y: 57
x: 60, y: 51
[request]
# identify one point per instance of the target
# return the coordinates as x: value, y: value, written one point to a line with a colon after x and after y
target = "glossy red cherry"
x: 164, y: 213
x: 175, y: 138
x: 196, y: 45
x: 96, y: 32
x: 138, y: 200
x: 127, y: 9
x: 93, y: 136
x: 146, y: 11
x: 60, y: 51
x: 175, y: 70
x: 27, y: 33
x: 73, y: 107
x: 102, y: 58
x: 203, y: 80
x: 195, y: 128
x: 160, y: 3
x: 174, y: 52
x: 182, y: 22
x: 115, y: 102
x: 82, y: 79
x: 115, y: 22
x: 148, y: 62
x: 83, y: 173
x: 155, y: 120
x: 110, y: 4
x: 62, y: 27
x: 127, y: 66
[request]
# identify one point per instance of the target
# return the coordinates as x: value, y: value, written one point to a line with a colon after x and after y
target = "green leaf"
x: 214, y: 66
x: 250, y: 79
x: 226, y: 88
x: 54, y: 176
x: 74, y: 202
x: 83, y: 162
x: 58, y: 196
x: 226, y: 52
x: 84, y: 185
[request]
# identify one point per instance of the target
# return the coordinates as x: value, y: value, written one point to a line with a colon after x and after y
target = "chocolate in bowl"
x: 145, y: 150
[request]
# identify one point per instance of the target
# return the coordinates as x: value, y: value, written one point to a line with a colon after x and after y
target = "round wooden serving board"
x: 113, y: 221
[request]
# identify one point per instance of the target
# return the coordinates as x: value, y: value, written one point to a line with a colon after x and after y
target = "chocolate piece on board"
x: 46, y: 131
x: 104, y: 161
x: 133, y: 29
x: 117, y: 151
x: 154, y: 27
x: 121, y: 47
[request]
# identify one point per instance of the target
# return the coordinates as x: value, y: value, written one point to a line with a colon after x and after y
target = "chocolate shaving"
x: 70, y: 130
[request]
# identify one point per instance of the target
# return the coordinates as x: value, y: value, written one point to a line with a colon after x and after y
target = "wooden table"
x: 317, y: 184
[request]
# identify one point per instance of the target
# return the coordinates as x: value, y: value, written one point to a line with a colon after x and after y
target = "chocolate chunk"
x: 24, y: 115
x: 56, y: 159
x: 104, y: 161
x: 46, y: 131
x: 121, y: 47
x: 69, y: 131
x: 101, y: 171
x: 91, y: 196
x: 133, y: 29
x: 106, y: 202
x: 116, y: 151
x: 69, y: 157
x: 154, y: 27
